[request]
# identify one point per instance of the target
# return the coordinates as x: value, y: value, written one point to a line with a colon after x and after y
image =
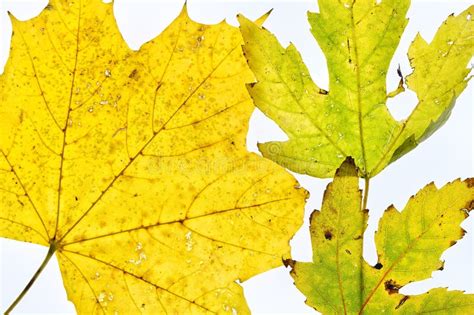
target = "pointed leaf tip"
x: 263, y: 18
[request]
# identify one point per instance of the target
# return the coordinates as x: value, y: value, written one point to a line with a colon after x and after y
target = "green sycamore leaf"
x: 358, y: 39
x: 339, y: 281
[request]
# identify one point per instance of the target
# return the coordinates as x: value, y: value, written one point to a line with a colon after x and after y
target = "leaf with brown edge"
x: 132, y: 166
x: 409, y: 243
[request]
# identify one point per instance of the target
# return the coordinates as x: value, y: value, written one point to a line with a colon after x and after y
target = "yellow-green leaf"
x: 358, y: 39
x: 410, y: 244
x: 132, y: 166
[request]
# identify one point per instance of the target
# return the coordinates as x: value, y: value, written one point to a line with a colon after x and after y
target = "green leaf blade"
x: 337, y: 243
x: 286, y: 93
x: 412, y: 241
x: 439, y: 302
x: 409, y: 244
x: 351, y: 119
x: 439, y: 77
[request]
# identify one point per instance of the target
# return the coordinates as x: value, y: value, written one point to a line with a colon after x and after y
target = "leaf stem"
x: 50, y: 254
x: 366, y: 193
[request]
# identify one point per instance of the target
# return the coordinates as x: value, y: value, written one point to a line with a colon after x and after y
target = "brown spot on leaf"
x: 289, y: 262
x: 392, y: 287
x: 133, y: 74
x: 323, y: 92
x: 328, y: 235
x: 471, y: 205
x: 402, y: 301
x: 348, y: 251
x: 470, y: 182
x: 378, y: 266
x: 313, y: 215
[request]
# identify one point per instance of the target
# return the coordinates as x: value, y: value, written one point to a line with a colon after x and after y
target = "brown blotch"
x: 399, y: 72
x: 328, y: 235
x: 471, y: 205
x: 133, y: 74
x: 289, y: 262
x: 392, y: 287
x: 348, y: 251
x: 313, y: 215
x: 358, y: 237
x: 470, y: 182
x: 323, y: 92
x: 378, y: 266
x: 402, y: 301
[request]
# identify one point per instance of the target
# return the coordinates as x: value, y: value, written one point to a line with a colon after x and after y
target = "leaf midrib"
x: 216, y: 212
x: 359, y: 102
x: 339, y: 275
x: 65, y: 128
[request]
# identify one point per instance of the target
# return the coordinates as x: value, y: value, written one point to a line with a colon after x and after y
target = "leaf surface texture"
x: 358, y: 39
x: 134, y: 163
x: 409, y: 244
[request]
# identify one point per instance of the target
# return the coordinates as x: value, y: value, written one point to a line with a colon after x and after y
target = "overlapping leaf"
x: 339, y: 281
x: 351, y: 119
x: 132, y: 166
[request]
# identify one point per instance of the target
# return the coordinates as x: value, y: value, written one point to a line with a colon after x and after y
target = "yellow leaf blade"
x: 134, y: 165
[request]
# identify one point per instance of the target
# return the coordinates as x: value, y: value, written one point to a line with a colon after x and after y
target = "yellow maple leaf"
x: 132, y: 167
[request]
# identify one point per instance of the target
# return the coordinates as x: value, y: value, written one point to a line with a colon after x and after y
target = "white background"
x: 447, y: 155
